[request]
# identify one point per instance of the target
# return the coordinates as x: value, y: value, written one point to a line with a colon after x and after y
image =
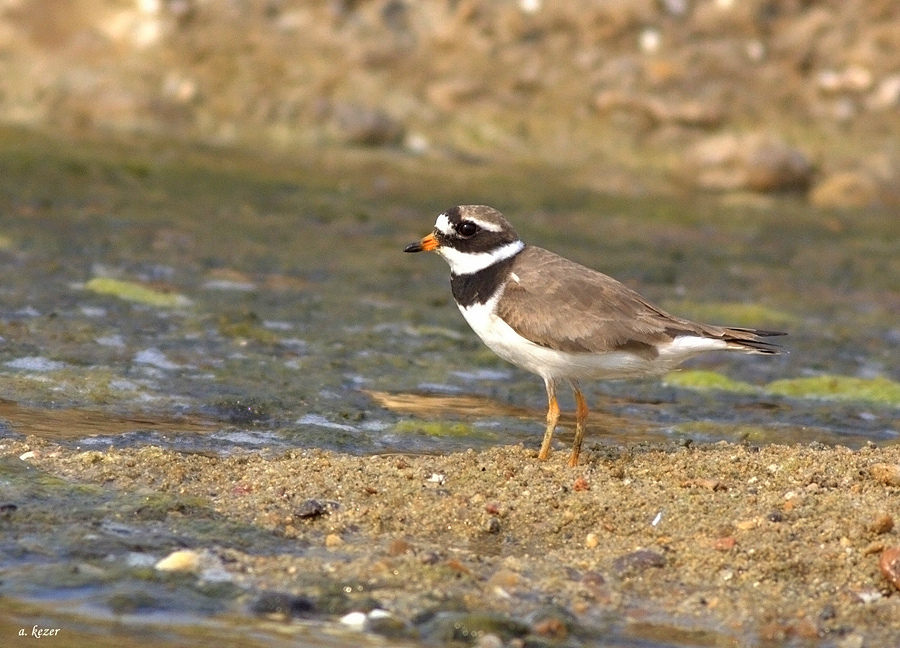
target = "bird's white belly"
x: 550, y: 363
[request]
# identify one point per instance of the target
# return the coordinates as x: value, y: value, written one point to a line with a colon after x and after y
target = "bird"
x: 561, y: 320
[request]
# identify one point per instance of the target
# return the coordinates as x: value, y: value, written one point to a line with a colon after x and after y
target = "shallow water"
x: 213, y: 302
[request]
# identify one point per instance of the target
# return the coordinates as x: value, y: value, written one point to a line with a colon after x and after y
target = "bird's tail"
x: 751, y: 340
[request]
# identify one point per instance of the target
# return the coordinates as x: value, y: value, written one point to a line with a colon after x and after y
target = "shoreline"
x: 752, y: 543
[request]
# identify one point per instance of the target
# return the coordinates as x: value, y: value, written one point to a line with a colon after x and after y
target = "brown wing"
x: 565, y: 306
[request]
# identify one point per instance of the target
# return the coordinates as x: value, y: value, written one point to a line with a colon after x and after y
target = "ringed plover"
x: 562, y: 320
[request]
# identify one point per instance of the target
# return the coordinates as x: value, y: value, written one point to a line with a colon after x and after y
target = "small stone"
x: 355, y: 620
x: 884, y: 473
x: 553, y: 622
x: 747, y: 525
x: 708, y: 483
x: 281, y: 604
x: 311, y: 508
x: 384, y: 623
x: 638, y: 561
x: 489, y: 640
x: 493, y: 525
x: 846, y: 189
x: 726, y: 543
x: 333, y: 540
x: 505, y: 579
x: 889, y: 563
x: 398, y: 547
x: 465, y: 627
x: 882, y: 524
x: 581, y: 484
x: 183, y: 560
x: 591, y: 541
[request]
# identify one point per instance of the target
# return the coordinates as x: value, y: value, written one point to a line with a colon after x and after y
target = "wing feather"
x: 566, y: 306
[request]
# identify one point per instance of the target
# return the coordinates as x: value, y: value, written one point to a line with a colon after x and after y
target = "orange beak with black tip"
x: 427, y: 244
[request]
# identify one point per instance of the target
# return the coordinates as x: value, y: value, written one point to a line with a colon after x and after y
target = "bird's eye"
x: 467, y: 228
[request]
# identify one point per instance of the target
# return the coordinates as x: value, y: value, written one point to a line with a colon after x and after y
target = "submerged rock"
x: 282, y: 604
x: 468, y: 627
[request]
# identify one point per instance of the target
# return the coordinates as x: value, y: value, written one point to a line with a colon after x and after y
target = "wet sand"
x: 684, y: 544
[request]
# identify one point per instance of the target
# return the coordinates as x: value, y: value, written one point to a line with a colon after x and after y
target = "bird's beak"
x: 427, y: 244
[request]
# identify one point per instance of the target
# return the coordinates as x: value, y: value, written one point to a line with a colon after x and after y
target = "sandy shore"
x: 747, y: 543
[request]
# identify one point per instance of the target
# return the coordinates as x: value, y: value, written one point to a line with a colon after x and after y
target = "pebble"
x: 591, y: 541
x: 505, y: 579
x: 183, y: 560
x: 846, y: 189
x: 282, y: 604
x: 493, y: 525
x: 355, y: 620
x: 554, y: 622
x: 467, y: 627
x: 310, y: 508
x: 638, y: 561
x: 398, y: 547
x: 881, y: 524
x: 889, y: 563
x: 884, y: 473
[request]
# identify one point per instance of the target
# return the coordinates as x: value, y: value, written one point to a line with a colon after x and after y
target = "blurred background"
x: 203, y: 207
x: 632, y: 97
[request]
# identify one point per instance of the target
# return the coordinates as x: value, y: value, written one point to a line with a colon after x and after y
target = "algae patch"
x: 876, y: 390
x: 708, y: 380
x: 135, y: 292
x: 732, y: 314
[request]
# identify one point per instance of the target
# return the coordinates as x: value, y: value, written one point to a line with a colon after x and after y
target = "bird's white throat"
x: 463, y: 263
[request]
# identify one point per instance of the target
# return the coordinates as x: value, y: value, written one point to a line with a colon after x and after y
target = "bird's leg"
x: 581, y: 413
x: 552, y: 418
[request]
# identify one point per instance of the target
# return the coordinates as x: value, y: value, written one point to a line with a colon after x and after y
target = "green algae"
x: 732, y: 313
x: 701, y: 380
x: 245, y: 326
x: 876, y: 390
x: 135, y: 292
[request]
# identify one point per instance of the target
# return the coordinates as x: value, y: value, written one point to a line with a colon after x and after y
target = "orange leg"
x: 581, y: 414
x: 552, y: 419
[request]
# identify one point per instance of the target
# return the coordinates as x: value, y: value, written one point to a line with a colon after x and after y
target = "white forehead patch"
x: 443, y: 224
